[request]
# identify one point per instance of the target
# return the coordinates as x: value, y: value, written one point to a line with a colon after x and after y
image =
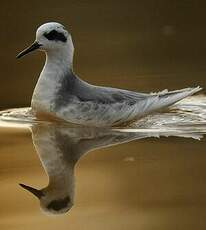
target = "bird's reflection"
x: 59, y: 148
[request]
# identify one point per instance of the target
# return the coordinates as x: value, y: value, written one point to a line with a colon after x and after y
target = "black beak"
x: 31, y: 48
x: 34, y: 191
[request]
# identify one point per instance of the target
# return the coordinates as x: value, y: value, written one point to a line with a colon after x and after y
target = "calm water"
x: 150, y: 175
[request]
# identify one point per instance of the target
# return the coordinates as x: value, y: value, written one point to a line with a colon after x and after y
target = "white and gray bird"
x: 60, y: 93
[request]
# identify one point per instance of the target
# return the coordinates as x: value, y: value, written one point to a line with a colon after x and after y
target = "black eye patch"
x: 55, y: 36
x: 59, y: 204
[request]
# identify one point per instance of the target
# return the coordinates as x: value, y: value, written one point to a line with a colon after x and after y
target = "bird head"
x: 50, y: 36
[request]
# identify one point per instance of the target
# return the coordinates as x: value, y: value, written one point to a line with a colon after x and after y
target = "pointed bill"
x: 31, y: 48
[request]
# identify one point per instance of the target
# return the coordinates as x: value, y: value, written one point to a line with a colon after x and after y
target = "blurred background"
x: 142, y: 45
x: 139, y: 45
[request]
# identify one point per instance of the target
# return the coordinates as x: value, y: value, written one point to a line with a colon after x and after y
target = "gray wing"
x: 97, y: 94
x: 81, y: 102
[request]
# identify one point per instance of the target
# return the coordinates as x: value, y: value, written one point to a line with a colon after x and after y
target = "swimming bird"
x: 60, y: 93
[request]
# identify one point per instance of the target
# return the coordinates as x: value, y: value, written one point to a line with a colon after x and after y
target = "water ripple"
x: 188, y: 115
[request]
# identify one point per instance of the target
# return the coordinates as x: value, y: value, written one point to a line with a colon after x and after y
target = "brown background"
x: 139, y: 45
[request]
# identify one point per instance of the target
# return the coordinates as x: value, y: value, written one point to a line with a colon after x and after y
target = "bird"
x: 61, y: 94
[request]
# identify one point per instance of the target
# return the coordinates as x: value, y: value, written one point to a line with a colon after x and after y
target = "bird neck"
x: 59, y: 63
x: 59, y: 59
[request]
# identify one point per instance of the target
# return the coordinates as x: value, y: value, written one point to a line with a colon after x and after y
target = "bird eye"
x: 55, y: 36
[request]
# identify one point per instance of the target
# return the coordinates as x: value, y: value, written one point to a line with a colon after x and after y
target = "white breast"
x: 49, y: 82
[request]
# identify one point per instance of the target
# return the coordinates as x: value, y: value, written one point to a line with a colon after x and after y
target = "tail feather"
x: 164, y: 99
x: 188, y: 90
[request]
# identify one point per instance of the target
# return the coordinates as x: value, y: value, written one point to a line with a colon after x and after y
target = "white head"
x: 51, y: 36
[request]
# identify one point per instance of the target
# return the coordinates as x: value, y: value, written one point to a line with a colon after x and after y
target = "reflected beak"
x: 36, y: 192
x: 31, y: 48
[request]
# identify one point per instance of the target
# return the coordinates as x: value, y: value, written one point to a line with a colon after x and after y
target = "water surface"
x: 150, y: 175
